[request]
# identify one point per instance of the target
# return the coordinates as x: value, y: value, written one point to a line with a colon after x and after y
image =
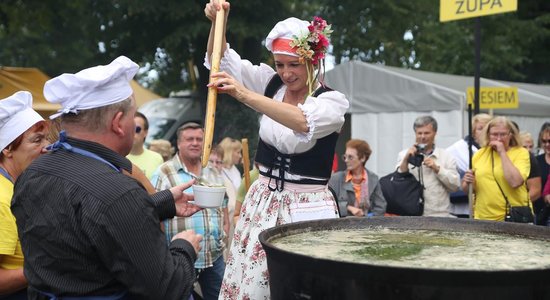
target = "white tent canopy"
x: 384, y: 101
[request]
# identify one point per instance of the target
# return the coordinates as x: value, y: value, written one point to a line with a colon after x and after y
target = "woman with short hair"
x: 357, y: 189
x: 23, y: 137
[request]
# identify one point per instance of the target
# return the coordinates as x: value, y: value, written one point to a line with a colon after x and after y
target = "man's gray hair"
x: 94, y: 119
x: 423, y: 121
x: 187, y: 125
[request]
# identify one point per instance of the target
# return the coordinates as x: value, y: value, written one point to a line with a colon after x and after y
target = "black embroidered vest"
x: 316, y: 162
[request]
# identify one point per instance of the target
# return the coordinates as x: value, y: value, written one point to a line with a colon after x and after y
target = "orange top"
x: 357, y: 186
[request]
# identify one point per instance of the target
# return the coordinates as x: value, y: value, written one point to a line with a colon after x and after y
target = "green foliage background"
x: 170, y: 36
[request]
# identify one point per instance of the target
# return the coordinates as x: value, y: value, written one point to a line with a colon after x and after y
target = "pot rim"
x: 406, y: 274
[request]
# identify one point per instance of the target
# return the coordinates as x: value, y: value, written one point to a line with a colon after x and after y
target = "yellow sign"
x: 450, y: 10
x: 495, y: 97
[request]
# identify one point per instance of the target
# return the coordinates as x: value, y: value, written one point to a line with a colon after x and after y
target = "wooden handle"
x: 246, y: 164
x: 209, y: 118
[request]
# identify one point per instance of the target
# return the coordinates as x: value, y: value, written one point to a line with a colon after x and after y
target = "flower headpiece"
x: 308, y: 41
x: 314, y: 45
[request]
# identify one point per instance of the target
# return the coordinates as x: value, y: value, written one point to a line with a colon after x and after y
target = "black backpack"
x: 403, y: 193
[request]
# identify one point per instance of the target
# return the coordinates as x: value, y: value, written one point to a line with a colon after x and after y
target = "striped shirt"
x: 207, y: 222
x: 88, y: 230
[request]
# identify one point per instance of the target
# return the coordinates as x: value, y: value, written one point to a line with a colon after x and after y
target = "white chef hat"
x: 278, y: 40
x: 93, y: 87
x: 16, y: 116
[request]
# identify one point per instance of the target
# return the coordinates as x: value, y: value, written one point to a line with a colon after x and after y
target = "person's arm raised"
x: 210, y: 12
x: 286, y: 114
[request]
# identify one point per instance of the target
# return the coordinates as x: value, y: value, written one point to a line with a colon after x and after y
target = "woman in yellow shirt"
x: 500, y: 169
x: 22, y: 139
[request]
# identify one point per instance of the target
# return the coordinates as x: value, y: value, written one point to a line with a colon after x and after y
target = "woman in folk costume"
x: 298, y: 132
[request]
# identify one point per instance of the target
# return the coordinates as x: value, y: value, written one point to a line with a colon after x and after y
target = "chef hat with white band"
x: 16, y: 117
x: 93, y: 87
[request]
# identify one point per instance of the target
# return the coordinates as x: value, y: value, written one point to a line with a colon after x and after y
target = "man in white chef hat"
x: 22, y: 139
x: 91, y: 231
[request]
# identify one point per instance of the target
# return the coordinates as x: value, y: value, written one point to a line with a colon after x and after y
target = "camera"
x: 417, y: 159
x: 421, y: 147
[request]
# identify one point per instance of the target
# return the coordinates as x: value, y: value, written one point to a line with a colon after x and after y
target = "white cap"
x: 93, y: 87
x: 286, y: 30
x: 16, y: 116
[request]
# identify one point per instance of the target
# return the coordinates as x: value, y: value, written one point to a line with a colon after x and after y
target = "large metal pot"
x: 295, y: 276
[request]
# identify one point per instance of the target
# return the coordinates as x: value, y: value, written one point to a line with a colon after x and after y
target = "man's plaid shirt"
x: 207, y: 222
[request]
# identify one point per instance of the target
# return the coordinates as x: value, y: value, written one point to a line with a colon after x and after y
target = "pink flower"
x: 319, y: 22
x: 314, y: 45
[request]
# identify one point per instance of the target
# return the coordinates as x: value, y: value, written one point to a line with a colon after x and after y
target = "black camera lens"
x: 421, y: 147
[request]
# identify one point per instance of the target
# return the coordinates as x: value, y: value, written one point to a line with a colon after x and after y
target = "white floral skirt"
x: 246, y: 275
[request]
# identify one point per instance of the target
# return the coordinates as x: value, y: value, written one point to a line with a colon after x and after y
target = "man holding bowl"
x: 211, y: 223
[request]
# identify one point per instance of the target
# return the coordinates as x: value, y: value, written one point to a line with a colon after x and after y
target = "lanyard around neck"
x: 63, y: 144
x: 6, y: 174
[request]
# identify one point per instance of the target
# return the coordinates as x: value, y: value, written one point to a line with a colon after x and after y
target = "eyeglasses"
x: 138, y: 129
x: 218, y: 162
x: 348, y: 157
x: 545, y: 142
x: 499, y: 134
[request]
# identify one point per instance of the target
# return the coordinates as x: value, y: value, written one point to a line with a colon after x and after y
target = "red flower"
x: 314, y: 45
x: 323, y: 41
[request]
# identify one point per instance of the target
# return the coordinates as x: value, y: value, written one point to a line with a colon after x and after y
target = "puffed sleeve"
x: 253, y: 77
x: 324, y: 114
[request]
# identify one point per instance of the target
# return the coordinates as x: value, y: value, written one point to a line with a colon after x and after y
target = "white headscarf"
x: 281, y: 35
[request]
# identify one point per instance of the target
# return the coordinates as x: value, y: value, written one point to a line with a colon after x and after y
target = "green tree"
x: 170, y: 37
x: 513, y: 44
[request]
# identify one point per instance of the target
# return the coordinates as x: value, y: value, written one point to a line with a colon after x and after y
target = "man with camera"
x: 437, y: 168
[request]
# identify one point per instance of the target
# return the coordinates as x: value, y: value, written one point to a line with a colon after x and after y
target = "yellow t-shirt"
x: 10, y: 247
x: 148, y: 161
x: 490, y: 203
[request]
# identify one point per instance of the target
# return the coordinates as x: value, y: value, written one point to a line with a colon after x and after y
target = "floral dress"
x: 246, y: 275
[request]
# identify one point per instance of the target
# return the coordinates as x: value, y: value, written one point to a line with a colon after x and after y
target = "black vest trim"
x: 275, y: 83
x: 316, y: 162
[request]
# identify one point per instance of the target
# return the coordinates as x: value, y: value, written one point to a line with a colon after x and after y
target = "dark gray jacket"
x: 346, y: 196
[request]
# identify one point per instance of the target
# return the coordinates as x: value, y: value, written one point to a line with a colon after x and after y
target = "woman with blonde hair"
x: 232, y: 155
x: 230, y: 151
x: 459, y: 150
x: 534, y: 180
x: 301, y: 118
x: 500, y: 170
x: 527, y: 141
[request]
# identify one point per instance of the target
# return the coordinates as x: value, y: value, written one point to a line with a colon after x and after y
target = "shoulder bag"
x: 403, y: 193
x: 516, y: 214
